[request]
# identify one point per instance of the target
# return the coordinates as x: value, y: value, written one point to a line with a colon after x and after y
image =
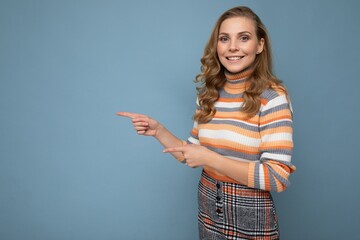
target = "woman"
x: 242, y: 135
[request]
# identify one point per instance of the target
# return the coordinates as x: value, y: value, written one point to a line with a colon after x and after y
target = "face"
x: 238, y: 44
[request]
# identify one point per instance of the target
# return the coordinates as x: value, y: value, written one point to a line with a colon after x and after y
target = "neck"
x: 236, y: 82
x: 245, y: 73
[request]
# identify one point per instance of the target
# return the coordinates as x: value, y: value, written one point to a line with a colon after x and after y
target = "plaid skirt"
x: 234, y: 211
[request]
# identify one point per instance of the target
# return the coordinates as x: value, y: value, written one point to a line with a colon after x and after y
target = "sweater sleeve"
x: 272, y: 170
x: 194, y: 133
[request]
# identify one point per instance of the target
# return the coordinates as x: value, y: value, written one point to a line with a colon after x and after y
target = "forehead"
x: 236, y: 25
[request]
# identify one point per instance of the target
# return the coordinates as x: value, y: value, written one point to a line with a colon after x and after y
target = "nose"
x: 233, y: 47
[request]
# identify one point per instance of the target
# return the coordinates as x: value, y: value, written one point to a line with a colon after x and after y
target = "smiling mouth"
x: 234, y: 58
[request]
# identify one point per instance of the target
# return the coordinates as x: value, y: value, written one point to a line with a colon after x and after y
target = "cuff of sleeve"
x: 192, y: 140
x: 251, y: 175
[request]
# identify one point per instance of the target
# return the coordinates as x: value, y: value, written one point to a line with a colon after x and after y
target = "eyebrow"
x: 237, y: 33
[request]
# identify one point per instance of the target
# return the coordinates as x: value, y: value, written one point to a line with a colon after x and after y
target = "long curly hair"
x: 212, y: 76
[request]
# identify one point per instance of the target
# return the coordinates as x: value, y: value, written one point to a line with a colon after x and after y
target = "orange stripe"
x: 239, y: 76
x: 219, y: 177
x: 251, y: 176
x: 278, y: 115
x: 266, y: 121
x: 235, y: 90
x: 280, y: 187
x: 242, y: 149
x: 283, y: 166
x: 277, y: 145
x: 232, y: 128
x: 263, y: 101
x: 207, y: 184
x: 284, y: 129
x: 266, y: 177
x: 195, y: 132
x: 244, y: 192
x: 237, y: 100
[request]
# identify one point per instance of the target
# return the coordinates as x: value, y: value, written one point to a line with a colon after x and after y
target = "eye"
x: 244, y: 38
x: 223, y: 39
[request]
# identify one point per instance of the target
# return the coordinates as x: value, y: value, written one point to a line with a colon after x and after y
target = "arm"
x: 167, y: 139
x: 197, y: 155
x: 272, y: 170
x: 147, y: 126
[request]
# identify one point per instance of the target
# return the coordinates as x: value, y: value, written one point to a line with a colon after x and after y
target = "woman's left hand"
x: 195, y: 155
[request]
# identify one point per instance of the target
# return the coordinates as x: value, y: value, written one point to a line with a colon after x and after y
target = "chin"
x: 234, y: 70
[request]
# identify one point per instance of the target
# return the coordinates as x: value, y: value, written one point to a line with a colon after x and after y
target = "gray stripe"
x: 278, y: 151
x: 277, y: 124
x: 227, y: 152
x: 269, y: 94
x: 242, y: 80
x: 275, y: 109
x: 289, y: 164
x: 272, y: 180
x: 256, y: 175
x: 224, y: 94
x: 228, y: 109
x: 274, y: 174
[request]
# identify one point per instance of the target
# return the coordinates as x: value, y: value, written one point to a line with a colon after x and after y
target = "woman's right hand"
x: 143, y: 124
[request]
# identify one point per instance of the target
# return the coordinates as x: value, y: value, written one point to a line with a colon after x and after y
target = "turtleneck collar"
x: 236, y: 82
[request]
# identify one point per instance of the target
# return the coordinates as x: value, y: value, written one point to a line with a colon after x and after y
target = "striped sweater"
x: 265, y: 140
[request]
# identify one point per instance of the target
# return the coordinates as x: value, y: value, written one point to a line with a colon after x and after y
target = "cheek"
x: 220, y: 51
x: 219, y: 54
x: 256, y: 48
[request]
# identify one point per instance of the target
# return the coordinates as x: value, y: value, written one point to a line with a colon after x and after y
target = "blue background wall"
x: 71, y: 169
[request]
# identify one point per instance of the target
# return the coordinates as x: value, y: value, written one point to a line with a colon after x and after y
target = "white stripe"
x: 238, y: 159
x: 277, y: 137
x: 274, y: 156
x: 194, y: 140
x: 291, y: 108
x: 231, y: 136
x: 228, y: 104
x: 261, y: 176
x: 275, y: 102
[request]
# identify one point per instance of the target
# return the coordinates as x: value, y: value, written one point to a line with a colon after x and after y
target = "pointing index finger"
x: 173, y: 149
x: 128, y: 114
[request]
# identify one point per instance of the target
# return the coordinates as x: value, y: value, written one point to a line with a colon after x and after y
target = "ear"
x: 260, y: 47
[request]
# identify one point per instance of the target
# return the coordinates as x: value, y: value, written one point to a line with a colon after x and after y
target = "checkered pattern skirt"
x: 233, y: 211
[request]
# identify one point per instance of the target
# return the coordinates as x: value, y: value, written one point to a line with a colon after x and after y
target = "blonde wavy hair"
x: 212, y: 76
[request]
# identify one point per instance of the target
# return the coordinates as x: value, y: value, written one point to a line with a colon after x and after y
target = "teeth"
x: 234, y: 58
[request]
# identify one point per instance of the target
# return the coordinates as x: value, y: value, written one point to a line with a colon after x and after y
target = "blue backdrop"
x: 71, y: 169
